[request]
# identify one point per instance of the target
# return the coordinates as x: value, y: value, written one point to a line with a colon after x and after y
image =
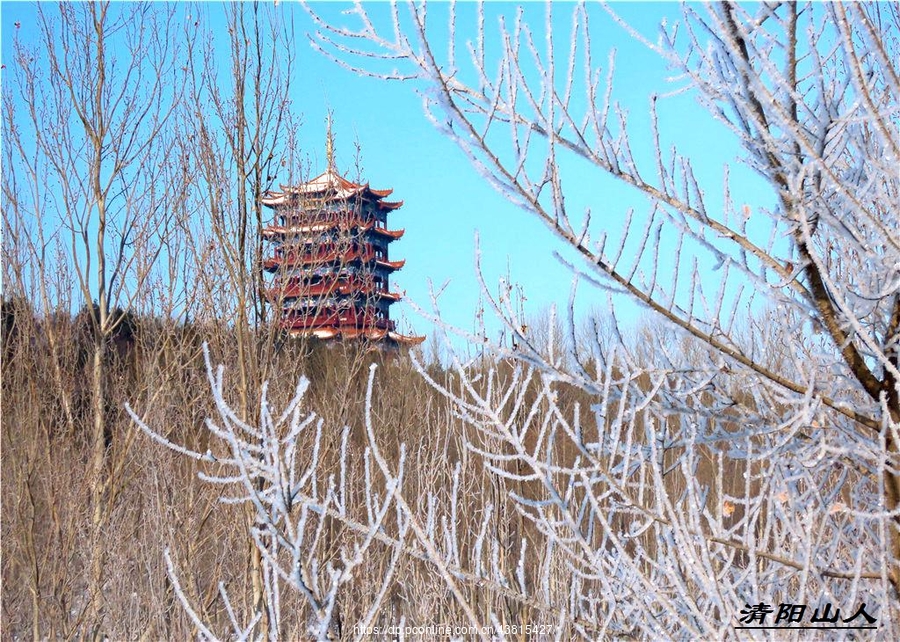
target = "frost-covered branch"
x: 757, y: 448
x: 266, y: 466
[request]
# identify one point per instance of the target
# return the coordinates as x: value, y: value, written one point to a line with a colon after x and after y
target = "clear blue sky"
x: 445, y: 199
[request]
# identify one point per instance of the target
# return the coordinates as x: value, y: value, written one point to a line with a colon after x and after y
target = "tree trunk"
x: 97, y: 487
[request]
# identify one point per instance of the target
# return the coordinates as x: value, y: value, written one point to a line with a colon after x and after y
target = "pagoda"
x: 329, y: 256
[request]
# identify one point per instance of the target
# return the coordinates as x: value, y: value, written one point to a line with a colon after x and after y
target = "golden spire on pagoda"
x: 329, y: 144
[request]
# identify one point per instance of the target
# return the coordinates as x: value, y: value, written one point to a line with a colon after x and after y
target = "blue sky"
x: 445, y: 200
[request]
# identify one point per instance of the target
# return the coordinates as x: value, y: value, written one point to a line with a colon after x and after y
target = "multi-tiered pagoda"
x: 330, y: 259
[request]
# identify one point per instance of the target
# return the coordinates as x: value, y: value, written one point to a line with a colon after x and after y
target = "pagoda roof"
x: 330, y: 186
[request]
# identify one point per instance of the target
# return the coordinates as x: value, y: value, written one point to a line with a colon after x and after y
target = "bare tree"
x: 238, y: 138
x: 810, y: 92
x: 88, y: 169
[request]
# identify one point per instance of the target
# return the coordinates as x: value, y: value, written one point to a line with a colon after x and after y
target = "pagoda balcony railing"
x: 345, y: 286
x: 348, y: 317
x: 330, y: 223
x: 328, y: 253
x: 314, y: 212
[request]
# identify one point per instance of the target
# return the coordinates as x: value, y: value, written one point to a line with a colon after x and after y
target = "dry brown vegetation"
x: 153, y: 497
x: 154, y: 500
